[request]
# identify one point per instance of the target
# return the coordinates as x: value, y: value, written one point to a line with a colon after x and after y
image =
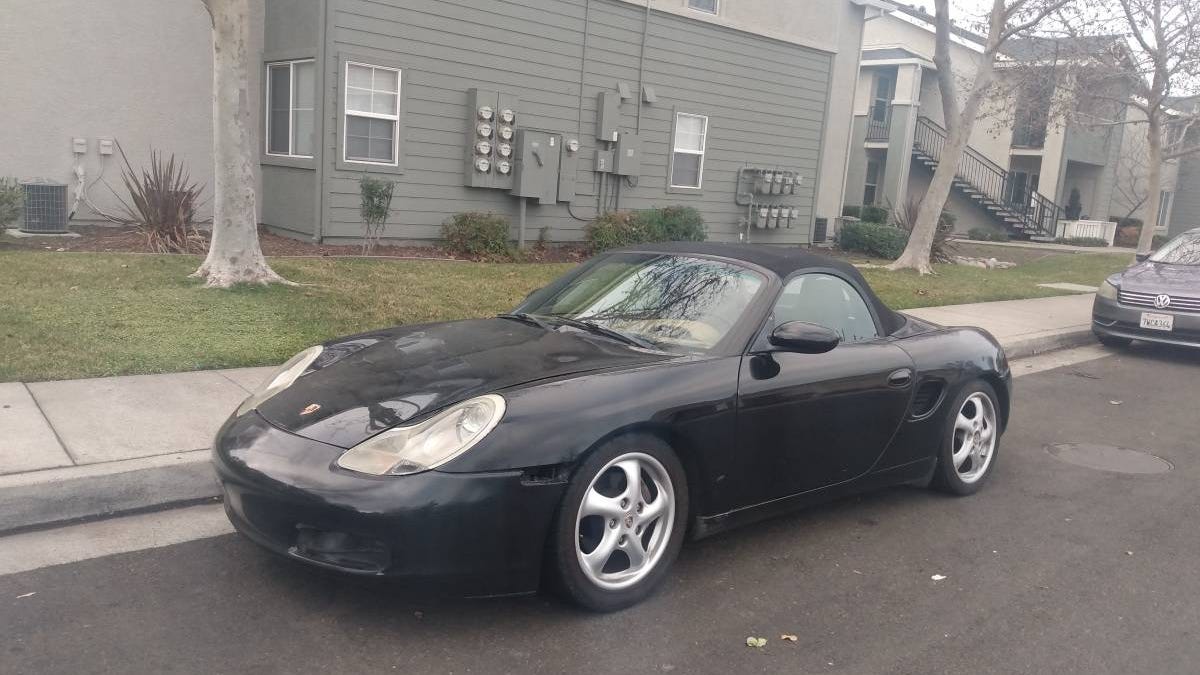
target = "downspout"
x: 642, y: 66
x: 319, y: 119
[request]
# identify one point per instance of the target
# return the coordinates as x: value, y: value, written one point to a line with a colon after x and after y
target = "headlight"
x: 437, y: 440
x: 1108, y: 290
x: 281, y: 379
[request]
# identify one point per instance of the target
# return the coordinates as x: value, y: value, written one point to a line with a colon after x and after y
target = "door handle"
x: 900, y: 378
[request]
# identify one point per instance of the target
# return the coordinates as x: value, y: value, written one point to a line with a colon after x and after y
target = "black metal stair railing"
x: 1038, y: 215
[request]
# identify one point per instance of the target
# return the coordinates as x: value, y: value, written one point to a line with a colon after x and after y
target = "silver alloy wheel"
x: 624, y: 521
x: 974, y: 442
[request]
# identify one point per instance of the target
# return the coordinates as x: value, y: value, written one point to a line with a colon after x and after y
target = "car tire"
x: 587, y: 551
x: 970, y: 440
x: 1114, y: 341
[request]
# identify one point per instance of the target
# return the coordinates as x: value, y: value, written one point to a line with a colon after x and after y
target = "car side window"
x: 827, y: 301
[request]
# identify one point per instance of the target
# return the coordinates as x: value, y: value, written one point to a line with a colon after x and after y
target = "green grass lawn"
x: 68, y: 315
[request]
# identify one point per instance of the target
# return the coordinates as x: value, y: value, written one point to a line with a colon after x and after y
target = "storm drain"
x: 1109, y: 458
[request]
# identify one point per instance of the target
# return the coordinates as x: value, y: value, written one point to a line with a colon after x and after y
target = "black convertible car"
x: 648, y: 394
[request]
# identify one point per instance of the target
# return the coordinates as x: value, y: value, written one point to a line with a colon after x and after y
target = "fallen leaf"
x: 30, y: 593
x: 1116, y: 402
x: 756, y: 642
x: 938, y: 577
x: 790, y: 638
x: 1128, y: 552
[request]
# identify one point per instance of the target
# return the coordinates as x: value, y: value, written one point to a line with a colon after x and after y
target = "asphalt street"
x: 1053, y: 568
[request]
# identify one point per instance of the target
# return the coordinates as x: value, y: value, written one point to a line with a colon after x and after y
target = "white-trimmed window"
x: 372, y: 114
x: 291, y: 89
x: 706, y: 6
x: 687, y: 158
x: 1164, y: 209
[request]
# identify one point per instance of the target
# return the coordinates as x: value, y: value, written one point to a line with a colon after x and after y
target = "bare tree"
x: 234, y: 254
x: 1006, y: 19
x: 1160, y: 71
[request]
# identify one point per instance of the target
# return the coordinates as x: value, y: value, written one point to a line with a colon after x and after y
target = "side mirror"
x: 804, y: 337
x: 1141, y: 257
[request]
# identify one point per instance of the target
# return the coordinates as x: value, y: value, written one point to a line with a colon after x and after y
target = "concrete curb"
x: 42, y: 499
x: 57, y: 496
x: 1040, y: 343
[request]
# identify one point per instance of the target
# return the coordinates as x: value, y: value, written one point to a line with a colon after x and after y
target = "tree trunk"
x: 1153, y: 184
x: 234, y: 255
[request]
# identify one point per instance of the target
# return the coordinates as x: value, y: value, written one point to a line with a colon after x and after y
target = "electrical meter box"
x: 491, y: 139
x: 568, y: 167
x: 608, y: 116
x: 627, y: 158
x: 536, y: 170
x: 603, y: 161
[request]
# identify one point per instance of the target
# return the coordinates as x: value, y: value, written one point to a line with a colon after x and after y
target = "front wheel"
x: 969, y: 441
x: 621, y: 523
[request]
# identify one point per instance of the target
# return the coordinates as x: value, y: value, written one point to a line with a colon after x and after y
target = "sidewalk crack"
x: 61, y: 443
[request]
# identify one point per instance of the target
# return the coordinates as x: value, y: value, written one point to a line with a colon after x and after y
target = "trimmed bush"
x: 985, y: 234
x: 883, y: 241
x: 626, y: 228
x: 477, y: 235
x: 1082, y: 241
x: 1159, y: 240
x: 867, y: 214
x: 673, y: 223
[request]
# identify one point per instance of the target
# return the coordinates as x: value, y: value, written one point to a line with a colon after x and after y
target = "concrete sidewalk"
x: 80, y: 449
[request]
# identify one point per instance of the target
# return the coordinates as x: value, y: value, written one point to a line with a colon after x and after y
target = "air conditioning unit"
x: 45, y: 207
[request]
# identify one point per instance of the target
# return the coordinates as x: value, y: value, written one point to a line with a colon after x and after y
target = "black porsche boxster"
x: 648, y: 394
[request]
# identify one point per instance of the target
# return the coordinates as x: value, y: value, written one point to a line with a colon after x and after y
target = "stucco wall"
x: 138, y: 71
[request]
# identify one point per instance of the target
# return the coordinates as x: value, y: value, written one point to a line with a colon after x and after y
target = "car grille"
x: 1178, y: 303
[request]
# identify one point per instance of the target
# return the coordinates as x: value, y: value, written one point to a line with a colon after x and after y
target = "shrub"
x: 614, y: 230
x: 626, y: 228
x: 1082, y: 241
x: 673, y: 223
x: 162, y: 202
x: 1127, y: 235
x: 12, y: 195
x: 1159, y: 240
x: 986, y: 234
x: 376, y: 204
x: 477, y: 235
x: 869, y: 214
x: 883, y: 241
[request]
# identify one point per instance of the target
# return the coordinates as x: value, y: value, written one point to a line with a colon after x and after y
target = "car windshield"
x: 675, y: 303
x: 1182, y: 250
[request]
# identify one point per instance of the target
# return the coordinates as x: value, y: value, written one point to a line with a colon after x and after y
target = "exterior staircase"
x: 1032, y: 215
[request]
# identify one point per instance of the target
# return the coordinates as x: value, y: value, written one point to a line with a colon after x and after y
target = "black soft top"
x: 783, y: 262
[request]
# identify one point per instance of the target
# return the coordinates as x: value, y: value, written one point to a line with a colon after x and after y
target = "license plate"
x: 1158, y: 321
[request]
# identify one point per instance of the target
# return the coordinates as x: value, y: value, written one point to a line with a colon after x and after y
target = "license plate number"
x: 1158, y: 321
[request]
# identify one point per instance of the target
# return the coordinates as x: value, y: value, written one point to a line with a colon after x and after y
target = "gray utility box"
x: 608, y: 116
x: 535, y: 173
x: 491, y: 139
x: 627, y: 157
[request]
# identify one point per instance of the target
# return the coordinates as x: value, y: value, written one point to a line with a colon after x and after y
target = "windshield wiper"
x: 593, y: 327
x: 526, y: 318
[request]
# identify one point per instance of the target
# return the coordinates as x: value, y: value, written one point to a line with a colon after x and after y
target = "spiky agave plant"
x: 162, y: 203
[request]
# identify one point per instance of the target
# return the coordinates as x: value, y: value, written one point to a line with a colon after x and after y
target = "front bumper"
x: 1112, y: 319
x: 478, y: 534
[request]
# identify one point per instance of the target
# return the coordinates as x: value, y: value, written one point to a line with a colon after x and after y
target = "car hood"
x: 1150, y: 277
x: 365, y: 384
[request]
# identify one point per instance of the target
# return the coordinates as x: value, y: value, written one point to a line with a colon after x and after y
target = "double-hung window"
x: 687, y: 158
x: 291, y: 90
x: 706, y: 6
x: 372, y: 113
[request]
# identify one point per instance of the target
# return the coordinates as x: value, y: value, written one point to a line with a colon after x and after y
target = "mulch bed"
x: 99, y: 238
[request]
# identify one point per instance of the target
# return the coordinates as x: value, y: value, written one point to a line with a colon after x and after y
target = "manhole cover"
x: 1109, y: 458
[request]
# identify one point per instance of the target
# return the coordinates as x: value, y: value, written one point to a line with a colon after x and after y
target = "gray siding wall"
x: 1185, y: 210
x: 765, y: 101
x: 290, y: 197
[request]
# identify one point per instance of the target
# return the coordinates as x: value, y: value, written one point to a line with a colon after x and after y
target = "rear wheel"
x: 969, y: 441
x: 621, y: 523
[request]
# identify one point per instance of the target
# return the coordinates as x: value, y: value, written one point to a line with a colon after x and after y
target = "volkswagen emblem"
x: 1162, y: 301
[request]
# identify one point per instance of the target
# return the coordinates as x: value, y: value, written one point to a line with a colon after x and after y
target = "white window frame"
x: 291, y: 65
x: 1166, y: 200
x: 676, y: 150
x: 347, y: 114
x: 716, y: 10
